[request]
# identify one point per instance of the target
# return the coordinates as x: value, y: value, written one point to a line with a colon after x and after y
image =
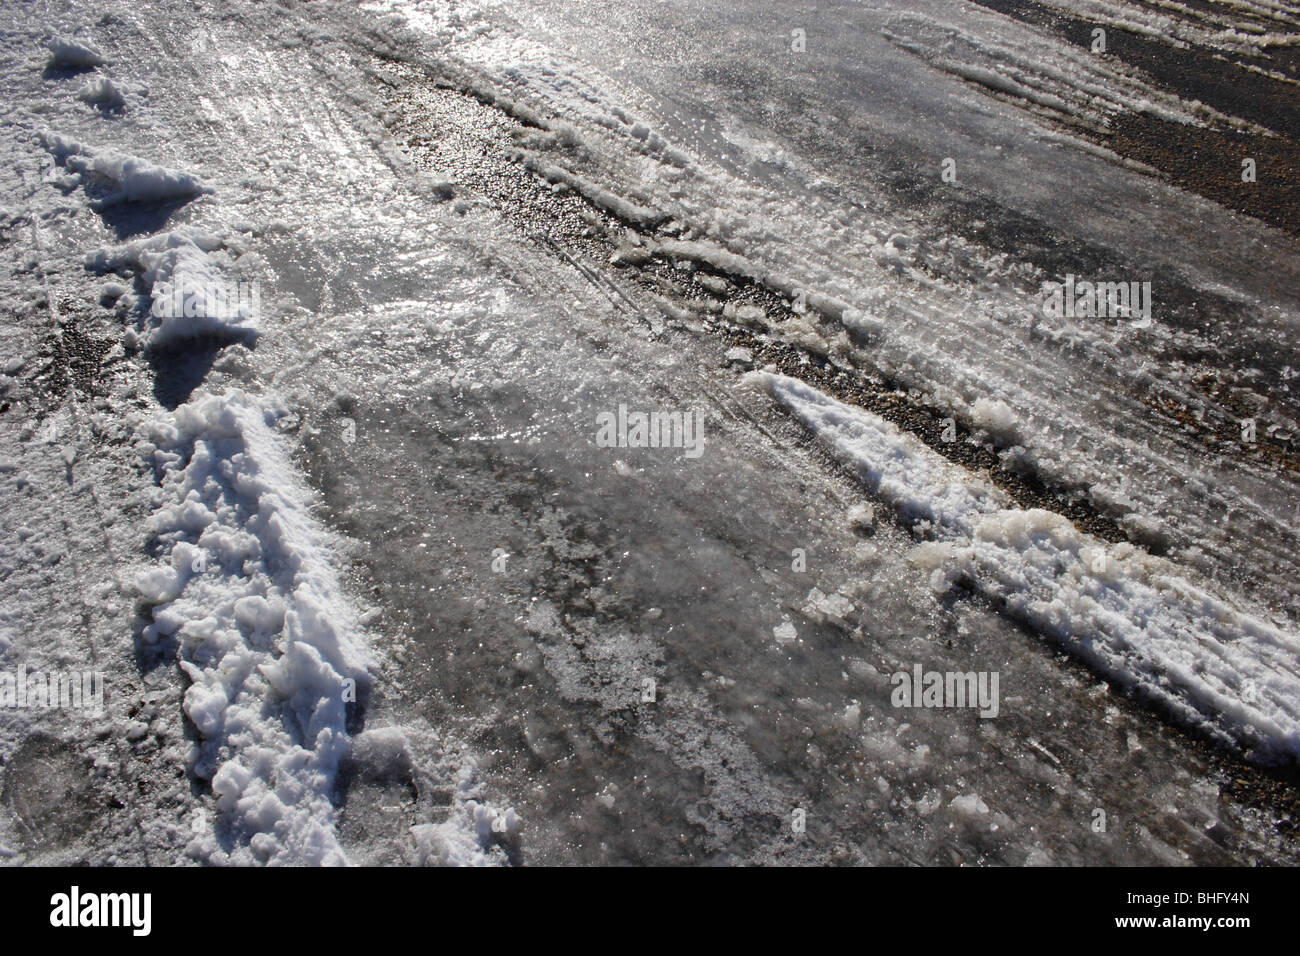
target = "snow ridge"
x: 251, y: 597
x: 1070, y: 85
x: 1136, y: 618
x: 68, y: 54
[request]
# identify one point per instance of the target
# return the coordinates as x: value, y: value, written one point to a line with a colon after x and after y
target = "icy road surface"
x: 368, y: 586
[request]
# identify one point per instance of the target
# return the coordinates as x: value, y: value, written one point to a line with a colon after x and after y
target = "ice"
x: 1080, y: 392
x: 1074, y: 85
x: 1221, y: 26
x: 425, y: 382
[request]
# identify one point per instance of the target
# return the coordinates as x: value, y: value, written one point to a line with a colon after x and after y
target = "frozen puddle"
x: 662, y: 659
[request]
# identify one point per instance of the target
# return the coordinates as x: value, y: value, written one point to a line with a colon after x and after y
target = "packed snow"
x: 110, y: 178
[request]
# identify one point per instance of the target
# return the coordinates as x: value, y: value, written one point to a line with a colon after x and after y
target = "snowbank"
x: 1134, y: 617
x: 191, y: 295
x: 72, y: 55
x: 111, y: 179
x: 249, y: 591
x: 250, y: 594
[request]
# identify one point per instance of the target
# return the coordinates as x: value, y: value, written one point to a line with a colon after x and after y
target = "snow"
x: 624, y: 209
x: 73, y: 55
x: 249, y: 591
x: 936, y: 312
x: 374, y: 304
x: 101, y: 91
x: 181, y: 270
x: 1139, y: 619
x: 997, y: 418
x: 459, y: 840
x: 919, y: 484
x: 252, y: 633
x: 1070, y: 84
x: 969, y: 805
x: 1220, y: 26
x: 111, y: 178
x: 739, y: 356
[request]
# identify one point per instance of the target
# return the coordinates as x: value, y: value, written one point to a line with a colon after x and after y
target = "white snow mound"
x: 72, y: 55
x: 101, y: 91
x: 250, y: 593
x: 185, y: 273
x: 111, y: 179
